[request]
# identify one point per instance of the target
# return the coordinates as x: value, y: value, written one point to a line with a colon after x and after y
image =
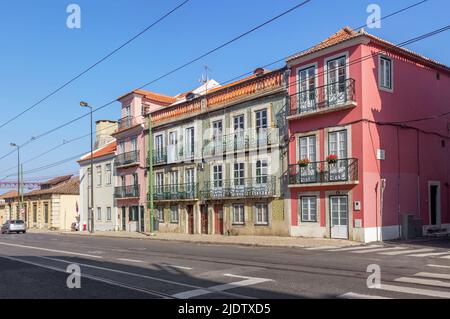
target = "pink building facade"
x: 131, y: 160
x: 366, y: 162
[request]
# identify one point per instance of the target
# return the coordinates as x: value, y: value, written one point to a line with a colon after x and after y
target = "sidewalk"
x: 261, y: 241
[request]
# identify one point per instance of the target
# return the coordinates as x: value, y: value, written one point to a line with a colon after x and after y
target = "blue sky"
x: 40, y: 53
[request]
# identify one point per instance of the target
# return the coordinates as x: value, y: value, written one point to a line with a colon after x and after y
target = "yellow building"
x: 5, y: 208
x: 54, y: 206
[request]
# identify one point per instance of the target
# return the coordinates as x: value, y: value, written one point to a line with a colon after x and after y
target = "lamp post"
x: 91, y: 210
x: 18, y: 178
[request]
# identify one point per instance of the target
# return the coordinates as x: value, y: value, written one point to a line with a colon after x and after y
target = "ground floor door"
x: 218, y: 219
x: 434, y: 200
x: 190, y: 219
x: 204, y: 219
x: 142, y: 219
x: 339, y: 217
x: 124, y: 218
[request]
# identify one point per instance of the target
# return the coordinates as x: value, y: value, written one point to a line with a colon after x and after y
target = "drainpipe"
x: 150, y: 172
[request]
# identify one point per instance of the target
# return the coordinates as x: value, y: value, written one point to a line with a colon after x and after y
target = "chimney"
x: 104, y: 130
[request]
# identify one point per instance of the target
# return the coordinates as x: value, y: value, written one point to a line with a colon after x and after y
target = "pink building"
x: 130, y: 163
x: 366, y: 149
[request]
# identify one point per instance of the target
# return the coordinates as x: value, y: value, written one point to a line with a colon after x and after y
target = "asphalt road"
x: 34, y: 266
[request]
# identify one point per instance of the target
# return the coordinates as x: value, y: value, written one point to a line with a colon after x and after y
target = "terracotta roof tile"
x: 156, y: 97
x: 10, y: 194
x: 70, y: 187
x: 103, y: 151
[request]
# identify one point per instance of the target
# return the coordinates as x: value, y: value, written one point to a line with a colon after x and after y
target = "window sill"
x: 262, y: 225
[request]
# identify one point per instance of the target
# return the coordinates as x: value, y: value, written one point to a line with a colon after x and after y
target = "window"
x: 308, y: 209
x: 261, y: 119
x: 99, y: 175
x: 108, y: 214
x: 261, y: 172
x: 108, y: 174
x: 307, y: 91
x: 239, y: 123
x: 46, y: 213
x: 159, y: 182
x: 385, y: 74
x: 238, y: 214
x: 121, y: 148
x: 135, y: 179
x: 262, y: 214
x: 159, y: 146
x: 239, y: 174
x: 123, y: 181
x: 160, y: 214
x: 338, y: 144
x: 99, y: 213
x: 133, y: 144
x: 128, y: 111
x: 34, y: 213
x: 190, y: 142
x: 174, y: 215
x: 308, y: 148
x: 174, y: 181
x: 172, y: 150
x: 218, y: 176
x: 133, y: 214
x: 189, y: 176
x: 89, y: 177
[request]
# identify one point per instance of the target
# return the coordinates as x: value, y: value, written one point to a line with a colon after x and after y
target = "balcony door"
x: 337, y: 77
x: 172, y: 150
x: 338, y: 146
x: 239, y: 129
x: 217, y: 181
x: 261, y: 127
x: 159, y: 147
x: 307, y: 90
x: 307, y: 150
x: 217, y: 131
x: 190, y: 181
x: 339, y: 217
x: 190, y: 142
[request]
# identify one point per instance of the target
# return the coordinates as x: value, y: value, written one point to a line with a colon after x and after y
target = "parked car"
x: 75, y: 227
x: 14, y: 226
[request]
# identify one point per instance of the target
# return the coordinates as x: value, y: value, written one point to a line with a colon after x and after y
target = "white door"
x: 337, y: 77
x: 307, y: 151
x: 239, y: 136
x: 307, y: 90
x: 339, y: 217
x: 338, y: 146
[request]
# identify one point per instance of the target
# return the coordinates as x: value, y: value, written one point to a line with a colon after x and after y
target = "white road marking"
x: 433, y: 275
x: 177, y: 283
x: 438, y: 266
x: 248, y: 281
x: 131, y: 260
x: 446, y: 257
x: 322, y: 248
x: 416, y: 291
x: 52, y: 250
x: 376, y: 250
x: 180, y: 267
x: 95, y: 278
x: 427, y: 255
x: 425, y: 282
x: 352, y: 295
x: 405, y: 252
x: 356, y: 248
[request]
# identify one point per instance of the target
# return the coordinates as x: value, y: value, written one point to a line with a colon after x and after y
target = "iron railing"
x: 175, y: 192
x: 128, y: 158
x: 126, y: 122
x: 130, y: 191
x: 159, y: 157
x: 344, y: 170
x: 241, y: 141
x: 322, y: 98
x: 263, y: 186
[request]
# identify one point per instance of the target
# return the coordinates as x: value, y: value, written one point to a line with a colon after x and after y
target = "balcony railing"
x: 322, y: 98
x: 344, y: 170
x: 126, y: 122
x: 264, y: 186
x: 159, y: 157
x: 125, y: 159
x: 130, y: 191
x: 241, y: 141
x: 175, y: 192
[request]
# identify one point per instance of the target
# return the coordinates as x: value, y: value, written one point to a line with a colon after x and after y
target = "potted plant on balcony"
x: 304, y: 162
x: 332, y: 159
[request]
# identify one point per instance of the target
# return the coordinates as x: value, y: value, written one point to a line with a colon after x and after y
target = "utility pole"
x: 91, y: 210
x: 150, y: 173
x: 19, y: 203
x: 21, y: 191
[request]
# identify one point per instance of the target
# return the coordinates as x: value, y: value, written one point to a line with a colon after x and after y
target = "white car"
x: 14, y: 226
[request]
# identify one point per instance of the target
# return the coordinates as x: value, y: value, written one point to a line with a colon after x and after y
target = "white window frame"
x: 173, y: 214
x: 241, y: 220
x: 108, y: 213
x: 309, y: 219
x: 98, y: 174
x: 108, y: 174
x: 99, y: 214
x: 214, y: 173
x: 266, y: 161
x: 308, y: 139
x: 241, y: 169
x: 262, y: 222
x: 381, y: 76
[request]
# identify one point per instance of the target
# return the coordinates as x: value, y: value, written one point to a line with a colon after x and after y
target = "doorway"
x: 204, y: 219
x: 124, y: 218
x: 190, y: 217
x: 339, y: 217
x: 218, y: 219
x: 435, y: 203
x: 142, y: 219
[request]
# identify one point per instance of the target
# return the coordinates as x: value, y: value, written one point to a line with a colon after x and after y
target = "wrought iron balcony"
x: 342, y: 171
x: 131, y: 191
x: 241, y: 141
x: 127, y: 122
x: 159, y: 157
x: 175, y: 192
x: 322, y: 99
x: 264, y: 186
x: 125, y: 159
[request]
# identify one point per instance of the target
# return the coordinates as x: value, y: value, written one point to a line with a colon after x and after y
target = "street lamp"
x: 91, y: 210
x: 18, y: 177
